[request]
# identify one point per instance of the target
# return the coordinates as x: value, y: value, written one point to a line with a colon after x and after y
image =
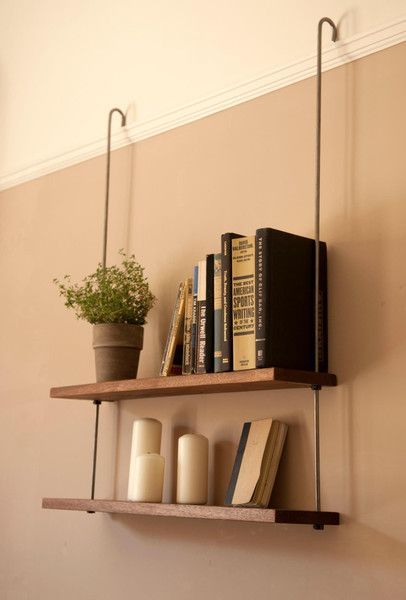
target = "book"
x: 187, y: 331
x: 218, y: 315
x: 285, y: 301
x: 243, y: 306
x: 256, y: 464
x: 205, y: 316
x: 194, y: 319
x: 200, y: 361
x: 226, y: 293
x: 172, y: 357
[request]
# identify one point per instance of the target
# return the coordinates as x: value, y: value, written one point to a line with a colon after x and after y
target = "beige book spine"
x: 250, y: 469
x: 243, y: 284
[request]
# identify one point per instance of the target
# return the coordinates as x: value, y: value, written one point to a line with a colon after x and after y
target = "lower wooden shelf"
x: 188, y: 511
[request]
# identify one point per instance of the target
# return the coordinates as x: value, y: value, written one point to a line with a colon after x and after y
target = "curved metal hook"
x: 316, y: 389
x: 106, y: 207
x: 334, y: 35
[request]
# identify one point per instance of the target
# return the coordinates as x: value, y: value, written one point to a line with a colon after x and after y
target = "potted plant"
x: 115, y: 300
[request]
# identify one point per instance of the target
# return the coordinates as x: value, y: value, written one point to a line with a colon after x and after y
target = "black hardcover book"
x: 285, y: 301
x: 237, y: 463
x: 193, y: 336
x: 226, y: 293
x: 205, y: 316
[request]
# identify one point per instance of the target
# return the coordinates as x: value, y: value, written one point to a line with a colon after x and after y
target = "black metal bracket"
x: 96, y: 435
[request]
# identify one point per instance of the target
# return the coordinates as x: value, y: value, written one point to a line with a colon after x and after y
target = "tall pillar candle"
x: 148, y: 478
x: 146, y: 438
x: 193, y: 460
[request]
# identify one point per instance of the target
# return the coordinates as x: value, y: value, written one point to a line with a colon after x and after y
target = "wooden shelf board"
x: 221, y: 513
x: 181, y: 385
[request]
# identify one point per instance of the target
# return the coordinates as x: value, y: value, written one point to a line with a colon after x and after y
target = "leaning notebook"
x: 256, y: 463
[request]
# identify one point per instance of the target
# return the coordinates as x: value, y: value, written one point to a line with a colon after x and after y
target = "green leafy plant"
x: 116, y: 294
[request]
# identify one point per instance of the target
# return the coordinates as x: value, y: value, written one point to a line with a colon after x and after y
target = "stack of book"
x: 250, y: 306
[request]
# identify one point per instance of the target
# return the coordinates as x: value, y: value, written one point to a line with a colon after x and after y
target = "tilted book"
x: 285, y: 301
x: 243, y: 307
x: 218, y: 314
x: 172, y: 357
x: 227, y: 295
x: 258, y: 456
x: 187, y: 332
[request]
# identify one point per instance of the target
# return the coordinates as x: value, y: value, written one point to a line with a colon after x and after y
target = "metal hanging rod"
x: 104, y: 260
x: 106, y: 206
x: 316, y: 388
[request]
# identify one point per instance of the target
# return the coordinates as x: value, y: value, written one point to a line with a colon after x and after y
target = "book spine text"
x: 243, y: 286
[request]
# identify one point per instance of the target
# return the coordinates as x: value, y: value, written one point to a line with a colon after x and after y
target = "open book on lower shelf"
x: 222, y: 513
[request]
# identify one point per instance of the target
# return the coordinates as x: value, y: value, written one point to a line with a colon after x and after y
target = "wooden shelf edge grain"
x: 181, y: 385
x: 221, y: 513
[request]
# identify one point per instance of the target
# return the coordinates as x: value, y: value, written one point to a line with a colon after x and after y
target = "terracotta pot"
x: 117, y: 349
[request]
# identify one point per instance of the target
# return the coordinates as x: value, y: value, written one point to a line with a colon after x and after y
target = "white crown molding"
x: 341, y: 53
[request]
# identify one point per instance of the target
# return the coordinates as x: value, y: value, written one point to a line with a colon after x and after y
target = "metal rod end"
x: 334, y: 35
x: 120, y: 112
x: 318, y: 527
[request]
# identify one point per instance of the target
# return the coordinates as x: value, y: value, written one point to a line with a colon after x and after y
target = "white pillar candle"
x: 148, y: 478
x: 146, y: 439
x: 193, y: 459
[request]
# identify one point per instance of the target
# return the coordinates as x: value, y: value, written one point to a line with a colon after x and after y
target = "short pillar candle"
x: 146, y: 439
x: 193, y: 460
x: 148, y: 478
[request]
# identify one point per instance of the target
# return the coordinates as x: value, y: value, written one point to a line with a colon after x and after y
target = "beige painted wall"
x: 65, y: 64
x: 173, y: 195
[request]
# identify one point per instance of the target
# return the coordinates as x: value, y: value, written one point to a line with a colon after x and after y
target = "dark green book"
x: 226, y: 293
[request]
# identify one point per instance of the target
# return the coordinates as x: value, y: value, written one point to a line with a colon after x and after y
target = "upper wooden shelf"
x: 183, y: 385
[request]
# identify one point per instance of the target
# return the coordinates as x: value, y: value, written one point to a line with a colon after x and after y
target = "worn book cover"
x: 170, y: 366
x: 243, y: 302
x: 187, y: 332
x: 227, y: 296
x: 285, y: 301
x: 218, y: 314
x: 256, y: 464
